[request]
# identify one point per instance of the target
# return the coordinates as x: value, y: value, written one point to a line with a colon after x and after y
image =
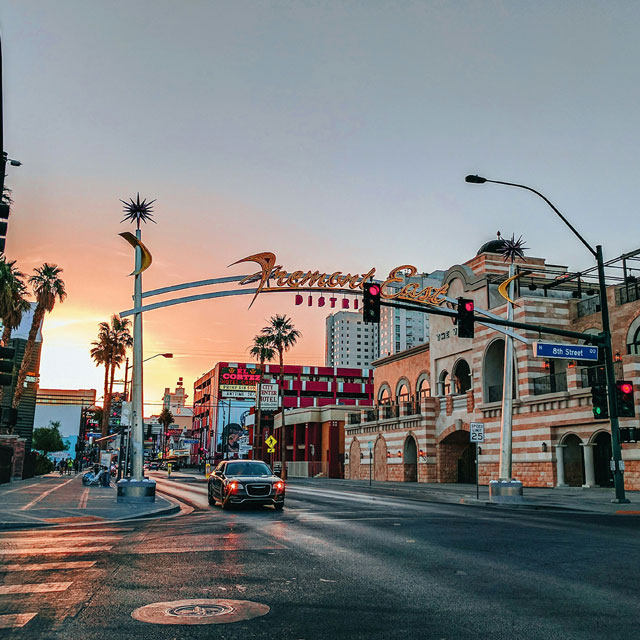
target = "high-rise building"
x: 350, y: 342
x: 401, y: 329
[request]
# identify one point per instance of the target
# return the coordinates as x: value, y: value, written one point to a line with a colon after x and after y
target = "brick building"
x: 427, y: 396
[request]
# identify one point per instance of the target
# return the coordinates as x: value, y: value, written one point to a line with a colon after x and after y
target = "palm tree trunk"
x: 257, y: 431
x: 105, y: 412
x: 283, y: 448
x: 28, y: 352
x: 107, y: 401
x: 6, y: 336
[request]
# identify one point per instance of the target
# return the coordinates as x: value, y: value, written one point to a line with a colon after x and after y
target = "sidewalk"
x: 597, y: 500
x: 54, y: 499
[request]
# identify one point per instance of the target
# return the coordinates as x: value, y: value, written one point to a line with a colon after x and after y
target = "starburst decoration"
x: 513, y: 248
x: 138, y: 211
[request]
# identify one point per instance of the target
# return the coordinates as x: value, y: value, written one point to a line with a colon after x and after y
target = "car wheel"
x: 279, y: 507
x: 212, y: 500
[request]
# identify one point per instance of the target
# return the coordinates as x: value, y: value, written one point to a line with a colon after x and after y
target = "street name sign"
x: 565, y: 351
x: 476, y: 432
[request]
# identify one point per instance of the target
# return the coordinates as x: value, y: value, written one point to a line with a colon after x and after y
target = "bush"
x: 43, y: 465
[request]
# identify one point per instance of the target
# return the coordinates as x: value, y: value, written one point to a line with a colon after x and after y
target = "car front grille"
x: 258, y: 490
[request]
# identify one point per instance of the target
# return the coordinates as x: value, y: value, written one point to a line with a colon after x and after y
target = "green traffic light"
x: 598, y: 410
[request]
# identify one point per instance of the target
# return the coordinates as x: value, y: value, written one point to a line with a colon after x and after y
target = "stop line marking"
x: 15, y: 620
x: 48, y: 566
x: 46, y: 587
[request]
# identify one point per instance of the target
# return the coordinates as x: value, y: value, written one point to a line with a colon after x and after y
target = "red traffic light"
x: 626, y: 388
x: 374, y: 290
x: 468, y: 306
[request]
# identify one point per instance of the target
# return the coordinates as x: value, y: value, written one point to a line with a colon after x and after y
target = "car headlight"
x: 234, y: 486
x: 279, y: 486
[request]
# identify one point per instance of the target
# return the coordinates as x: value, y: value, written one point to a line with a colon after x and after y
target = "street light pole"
x: 605, y: 340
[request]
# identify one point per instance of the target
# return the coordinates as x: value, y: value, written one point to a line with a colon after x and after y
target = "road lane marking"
x: 45, y: 494
x: 81, y: 530
x: 15, y: 620
x: 44, y: 551
x: 74, y: 540
x: 48, y: 566
x: 42, y: 587
x: 83, y: 499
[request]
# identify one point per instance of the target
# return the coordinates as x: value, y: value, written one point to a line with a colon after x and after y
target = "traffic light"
x: 465, y: 319
x: 4, y: 221
x: 6, y: 365
x: 600, y: 402
x: 371, y: 302
x: 624, y: 399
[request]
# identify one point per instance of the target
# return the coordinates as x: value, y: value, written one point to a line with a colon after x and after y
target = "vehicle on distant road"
x: 154, y: 466
x: 237, y: 482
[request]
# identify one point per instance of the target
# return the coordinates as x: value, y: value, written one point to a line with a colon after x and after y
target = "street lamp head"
x: 15, y: 163
x: 475, y: 179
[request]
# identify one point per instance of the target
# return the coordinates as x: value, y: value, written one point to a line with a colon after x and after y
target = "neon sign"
x: 345, y: 283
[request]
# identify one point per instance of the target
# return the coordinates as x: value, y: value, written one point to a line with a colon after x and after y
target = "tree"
x: 263, y: 352
x: 101, y: 353
x: 47, y: 288
x: 165, y: 419
x: 48, y: 439
x: 282, y: 336
x: 120, y: 340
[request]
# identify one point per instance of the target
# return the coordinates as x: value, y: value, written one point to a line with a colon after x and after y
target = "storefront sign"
x: 286, y: 281
x: 244, y: 393
x: 174, y: 432
x: 269, y: 400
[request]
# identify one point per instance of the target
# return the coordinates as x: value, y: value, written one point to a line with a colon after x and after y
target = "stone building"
x: 427, y: 396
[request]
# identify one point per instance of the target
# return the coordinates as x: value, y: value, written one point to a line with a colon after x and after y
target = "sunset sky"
x: 335, y: 134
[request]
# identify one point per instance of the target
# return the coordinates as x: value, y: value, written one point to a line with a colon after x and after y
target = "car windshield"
x: 248, y: 469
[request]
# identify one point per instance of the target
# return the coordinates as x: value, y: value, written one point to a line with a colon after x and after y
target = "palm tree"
x: 120, y: 340
x: 282, y: 336
x: 263, y: 352
x: 13, y: 302
x: 165, y: 419
x: 47, y: 288
x: 101, y: 353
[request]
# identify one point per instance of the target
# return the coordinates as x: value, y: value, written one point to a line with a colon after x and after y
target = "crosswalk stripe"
x: 39, y: 533
x: 15, y: 620
x: 41, y: 587
x: 41, y: 551
x: 48, y: 566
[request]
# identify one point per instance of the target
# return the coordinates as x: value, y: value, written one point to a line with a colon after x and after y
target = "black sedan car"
x: 245, y: 482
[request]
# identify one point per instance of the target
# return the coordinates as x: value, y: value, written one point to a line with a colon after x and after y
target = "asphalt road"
x: 329, y: 566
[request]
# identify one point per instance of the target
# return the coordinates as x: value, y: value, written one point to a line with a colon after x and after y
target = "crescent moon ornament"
x: 146, y: 254
x: 502, y: 289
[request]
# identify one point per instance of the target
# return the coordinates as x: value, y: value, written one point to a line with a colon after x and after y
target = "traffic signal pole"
x: 616, y: 449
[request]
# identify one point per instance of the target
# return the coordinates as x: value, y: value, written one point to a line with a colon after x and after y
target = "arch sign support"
x: 273, y: 278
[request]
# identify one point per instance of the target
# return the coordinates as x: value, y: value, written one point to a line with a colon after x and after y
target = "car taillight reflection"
x: 279, y: 486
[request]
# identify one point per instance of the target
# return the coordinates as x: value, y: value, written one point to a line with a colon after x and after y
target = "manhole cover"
x: 218, y: 611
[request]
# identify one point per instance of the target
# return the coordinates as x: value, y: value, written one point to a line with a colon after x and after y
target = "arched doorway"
x: 354, y: 460
x: 461, y: 376
x: 410, y: 457
x: 456, y: 458
x: 493, y: 371
x: 380, y: 460
x: 573, y: 461
x: 602, y: 458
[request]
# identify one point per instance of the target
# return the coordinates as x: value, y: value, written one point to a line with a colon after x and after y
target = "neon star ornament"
x: 513, y: 248
x: 138, y: 211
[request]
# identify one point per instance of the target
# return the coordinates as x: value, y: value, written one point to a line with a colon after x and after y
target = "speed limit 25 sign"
x: 476, y: 432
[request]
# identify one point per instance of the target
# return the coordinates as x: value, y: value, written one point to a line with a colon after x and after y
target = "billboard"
x: 269, y: 400
x: 231, y: 426
x: 238, y: 382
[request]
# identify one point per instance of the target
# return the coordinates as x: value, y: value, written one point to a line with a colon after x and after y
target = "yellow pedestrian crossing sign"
x: 271, y: 442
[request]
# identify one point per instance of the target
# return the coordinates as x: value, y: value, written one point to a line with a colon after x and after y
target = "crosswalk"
x: 47, y: 574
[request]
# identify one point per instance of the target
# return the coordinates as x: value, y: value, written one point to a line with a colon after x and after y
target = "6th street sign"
x: 565, y: 351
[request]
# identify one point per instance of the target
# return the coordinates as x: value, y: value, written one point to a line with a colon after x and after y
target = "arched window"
x: 493, y: 371
x: 384, y: 395
x: 461, y: 377
x: 444, y: 384
x: 423, y: 390
x: 402, y: 392
x: 633, y: 337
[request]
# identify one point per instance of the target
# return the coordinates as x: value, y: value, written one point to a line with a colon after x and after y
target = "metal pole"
x: 616, y: 451
x: 126, y: 380
x: 505, y: 473
x: 137, y: 435
x: 370, y: 463
x: 477, y: 473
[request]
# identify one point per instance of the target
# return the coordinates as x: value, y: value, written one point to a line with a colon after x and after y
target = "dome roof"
x: 493, y: 246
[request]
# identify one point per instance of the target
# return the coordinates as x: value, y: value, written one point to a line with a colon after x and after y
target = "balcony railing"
x: 550, y: 384
x: 597, y: 375
x: 354, y: 418
x: 389, y: 411
x: 411, y: 408
x: 589, y: 306
x: 629, y: 292
x: 372, y: 415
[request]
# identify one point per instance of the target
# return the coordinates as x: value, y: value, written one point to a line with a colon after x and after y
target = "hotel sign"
x: 273, y: 277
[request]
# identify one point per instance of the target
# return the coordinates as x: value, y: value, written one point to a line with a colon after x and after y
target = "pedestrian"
x: 61, y: 467
x: 69, y: 466
x: 76, y: 465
